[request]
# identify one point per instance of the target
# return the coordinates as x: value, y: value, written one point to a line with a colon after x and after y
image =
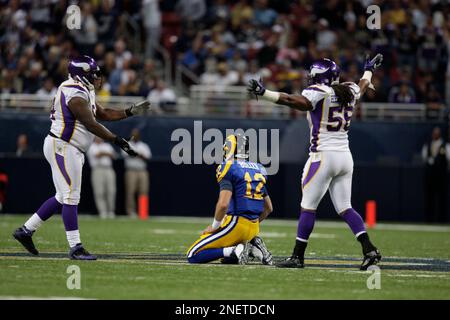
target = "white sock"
x: 73, y: 237
x: 227, y: 251
x: 34, y: 222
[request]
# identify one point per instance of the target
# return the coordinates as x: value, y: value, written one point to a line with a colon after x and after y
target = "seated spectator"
x: 33, y: 78
x: 263, y: 15
x: 211, y: 76
x: 22, y: 146
x: 162, y: 97
x: 48, y: 90
x: 402, y: 93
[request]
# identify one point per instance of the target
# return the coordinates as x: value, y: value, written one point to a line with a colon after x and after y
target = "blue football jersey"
x: 248, y: 182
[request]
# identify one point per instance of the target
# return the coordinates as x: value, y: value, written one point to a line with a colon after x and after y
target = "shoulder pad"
x: 223, y: 170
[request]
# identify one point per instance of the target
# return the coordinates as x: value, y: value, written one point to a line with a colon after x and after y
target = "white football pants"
x: 66, y: 162
x: 328, y: 170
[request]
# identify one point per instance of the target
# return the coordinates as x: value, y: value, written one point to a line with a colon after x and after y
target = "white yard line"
x: 282, y: 223
x: 320, y: 224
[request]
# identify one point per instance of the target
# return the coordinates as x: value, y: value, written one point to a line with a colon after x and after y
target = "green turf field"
x: 145, y: 260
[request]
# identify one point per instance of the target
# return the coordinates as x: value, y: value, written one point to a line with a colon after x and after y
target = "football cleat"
x: 292, y: 262
x: 241, y: 253
x: 24, y: 236
x: 260, y: 251
x: 80, y: 253
x: 370, y: 258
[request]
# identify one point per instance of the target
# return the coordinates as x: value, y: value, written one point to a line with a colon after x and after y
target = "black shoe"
x: 80, y: 253
x: 370, y: 258
x: 260, y: 251
x: 24, y: 236
x: 292, y: 262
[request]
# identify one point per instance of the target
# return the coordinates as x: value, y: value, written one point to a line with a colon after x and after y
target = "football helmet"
x: 236, y: 146
x: 84, y: 69
x: 324, y: 71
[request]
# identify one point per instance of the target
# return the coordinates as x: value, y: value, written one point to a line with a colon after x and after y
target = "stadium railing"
x: 227, y: 101
x: 234, y: 100
x: 34, y: 102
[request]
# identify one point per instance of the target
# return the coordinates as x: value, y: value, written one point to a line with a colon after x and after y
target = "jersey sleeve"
x: 75, y: 91
x: 226, y: 185
x: 314, y: 94
x: 224, y: 171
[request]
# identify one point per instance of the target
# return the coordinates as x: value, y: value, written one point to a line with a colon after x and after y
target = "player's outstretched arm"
x: 369, y: 67
x: 268, y: 208
x: 81, y: 110
x: 294, y: 101
x: 139, y: 108
x: 221, y: 210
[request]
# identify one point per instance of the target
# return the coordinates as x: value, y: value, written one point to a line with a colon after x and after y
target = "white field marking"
x: 405, y: 275
x: 42, y: 298
x: 319, y: 224
x: 173, y: 231
x: 391, y: 273
x: 279, y: 222
x: 267, y: 234
x: 323, y: 235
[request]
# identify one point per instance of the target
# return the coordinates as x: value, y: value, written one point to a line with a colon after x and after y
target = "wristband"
x: 272, y: 96
x: 367, y: 76
x: 216, y: 224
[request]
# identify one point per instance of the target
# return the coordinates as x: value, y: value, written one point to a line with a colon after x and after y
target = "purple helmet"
x: 85, y: 70
x: 324, y: 71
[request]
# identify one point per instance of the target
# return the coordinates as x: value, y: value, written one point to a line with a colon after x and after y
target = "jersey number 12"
x: 256, y: 193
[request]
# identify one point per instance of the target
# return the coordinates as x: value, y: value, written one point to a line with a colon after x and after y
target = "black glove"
x: 125, y: 146
x: 138, y: 108
x: 256, y: 87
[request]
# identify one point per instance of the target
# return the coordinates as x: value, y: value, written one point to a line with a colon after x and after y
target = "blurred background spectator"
x: 227, y: 42
x: 23, y: 149
x: 436, y: 154
x: 136, y: 174
x: 103, y: 177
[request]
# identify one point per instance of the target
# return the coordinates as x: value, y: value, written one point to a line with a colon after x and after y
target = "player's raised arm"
x: 81, y: 110
x: 369, y: 67
x: 104, y: 114
x: 294, y: 101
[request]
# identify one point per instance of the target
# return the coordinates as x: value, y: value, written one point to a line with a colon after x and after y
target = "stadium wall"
x: 383, y: 152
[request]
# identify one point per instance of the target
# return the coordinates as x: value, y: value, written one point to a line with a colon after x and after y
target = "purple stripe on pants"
x: 68, y: 118
x: 305, y: 224
x: 62, y: 168
x: 70, y: 217
x: 48, y: 208
x: 312, y: 170
x: 354, y: 221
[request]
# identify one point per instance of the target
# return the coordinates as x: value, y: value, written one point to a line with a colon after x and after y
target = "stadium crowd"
x: 227, y: 43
